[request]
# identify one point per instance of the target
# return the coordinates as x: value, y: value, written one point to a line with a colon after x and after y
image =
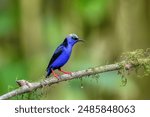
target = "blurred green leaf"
x: 94, y: 11
x: 6, y: 24
x: 10, y: 73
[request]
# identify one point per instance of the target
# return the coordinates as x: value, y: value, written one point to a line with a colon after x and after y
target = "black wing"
x: 56, y: 54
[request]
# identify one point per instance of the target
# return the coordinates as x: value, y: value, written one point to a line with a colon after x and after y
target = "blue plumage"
x: 62, y: 55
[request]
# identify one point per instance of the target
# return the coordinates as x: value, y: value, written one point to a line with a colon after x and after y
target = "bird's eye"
x: 75, y: 38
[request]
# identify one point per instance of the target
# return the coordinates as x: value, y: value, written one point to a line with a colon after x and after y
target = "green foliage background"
x: 30, y: 30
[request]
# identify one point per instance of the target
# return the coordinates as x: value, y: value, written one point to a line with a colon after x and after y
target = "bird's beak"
x: 80, y: 40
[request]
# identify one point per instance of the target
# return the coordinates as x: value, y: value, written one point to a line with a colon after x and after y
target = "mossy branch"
x: 129, y: 62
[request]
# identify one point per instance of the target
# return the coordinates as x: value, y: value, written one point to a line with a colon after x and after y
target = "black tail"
x: 49, y: 71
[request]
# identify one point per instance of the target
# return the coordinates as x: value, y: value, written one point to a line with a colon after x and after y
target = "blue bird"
x: 62, y: 55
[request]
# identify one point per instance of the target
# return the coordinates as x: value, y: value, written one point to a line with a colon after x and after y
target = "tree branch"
x: 26, y: 86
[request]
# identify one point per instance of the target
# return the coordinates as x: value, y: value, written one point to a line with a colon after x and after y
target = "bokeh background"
x: 30, y: 31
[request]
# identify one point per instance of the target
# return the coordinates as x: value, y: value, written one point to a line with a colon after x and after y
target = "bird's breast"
x: 63, y: 58
x: 66, y: 54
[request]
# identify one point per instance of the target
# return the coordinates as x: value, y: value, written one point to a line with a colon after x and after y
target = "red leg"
x: 64, y: 71
x: 54, y: 74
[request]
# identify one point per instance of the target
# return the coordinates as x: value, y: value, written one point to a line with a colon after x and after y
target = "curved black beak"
x: 80, y: 40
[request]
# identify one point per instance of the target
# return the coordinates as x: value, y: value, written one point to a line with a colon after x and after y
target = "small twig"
x: 26, y: 86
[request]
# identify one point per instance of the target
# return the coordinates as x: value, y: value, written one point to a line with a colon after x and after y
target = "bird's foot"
x: 55, y: 75
x: 65, y: 72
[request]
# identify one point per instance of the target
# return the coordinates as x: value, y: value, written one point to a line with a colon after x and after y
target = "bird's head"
x: 72, y: 39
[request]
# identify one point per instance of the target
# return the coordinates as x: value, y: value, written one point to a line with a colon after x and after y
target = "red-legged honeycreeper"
x: 62, y: 55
